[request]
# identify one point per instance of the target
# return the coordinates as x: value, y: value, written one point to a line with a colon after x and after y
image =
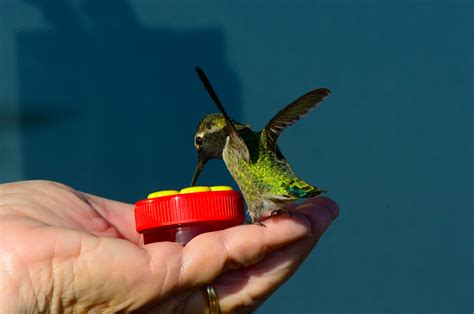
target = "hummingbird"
x: 264, y: 176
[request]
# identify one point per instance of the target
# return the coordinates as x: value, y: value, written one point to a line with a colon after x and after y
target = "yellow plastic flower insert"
x: 191, y: 189
x: 162, y: 193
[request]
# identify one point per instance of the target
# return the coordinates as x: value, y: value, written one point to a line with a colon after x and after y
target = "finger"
x: 208, y: 255
x: 319, y: 201
x: 321, y: 211
x: 260, y: 280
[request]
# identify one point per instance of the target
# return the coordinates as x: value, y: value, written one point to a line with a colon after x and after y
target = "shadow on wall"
x: 120, y: 102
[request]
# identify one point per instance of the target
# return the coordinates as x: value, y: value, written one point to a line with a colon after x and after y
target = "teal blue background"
x: 102, y: 95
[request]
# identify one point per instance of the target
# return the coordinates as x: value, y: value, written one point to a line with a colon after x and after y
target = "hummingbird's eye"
x: 198, y: 141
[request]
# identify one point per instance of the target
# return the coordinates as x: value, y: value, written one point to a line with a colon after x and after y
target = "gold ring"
x: 213, y: 303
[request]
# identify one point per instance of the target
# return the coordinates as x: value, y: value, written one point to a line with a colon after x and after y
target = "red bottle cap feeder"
x: 180, y: 216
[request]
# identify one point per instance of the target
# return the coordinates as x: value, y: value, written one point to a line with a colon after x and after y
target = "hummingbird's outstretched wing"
x: 292, y: 113
x: 235, y: 139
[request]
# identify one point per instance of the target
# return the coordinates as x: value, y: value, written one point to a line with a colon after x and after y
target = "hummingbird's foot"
x: 249, y: 222
x: 280, y: 211
x: 275, y: 212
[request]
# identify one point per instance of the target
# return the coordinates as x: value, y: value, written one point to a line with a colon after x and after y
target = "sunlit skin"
x: 63, y: 250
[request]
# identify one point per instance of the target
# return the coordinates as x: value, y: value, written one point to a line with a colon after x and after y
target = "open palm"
x: 67, y: 250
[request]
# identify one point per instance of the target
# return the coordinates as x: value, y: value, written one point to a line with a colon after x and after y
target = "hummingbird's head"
x: 210, y: 139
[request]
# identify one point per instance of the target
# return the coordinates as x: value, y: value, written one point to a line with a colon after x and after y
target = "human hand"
x: 63, y: 250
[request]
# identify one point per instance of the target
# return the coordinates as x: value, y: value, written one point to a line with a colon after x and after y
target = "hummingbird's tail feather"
x: 301, y: 189
x: 315, y: 192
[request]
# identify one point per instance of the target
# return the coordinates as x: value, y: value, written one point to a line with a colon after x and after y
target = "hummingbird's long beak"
x: 197, y: 172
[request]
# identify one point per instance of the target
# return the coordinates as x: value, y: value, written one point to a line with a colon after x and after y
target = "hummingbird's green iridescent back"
x: 267, y: 182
